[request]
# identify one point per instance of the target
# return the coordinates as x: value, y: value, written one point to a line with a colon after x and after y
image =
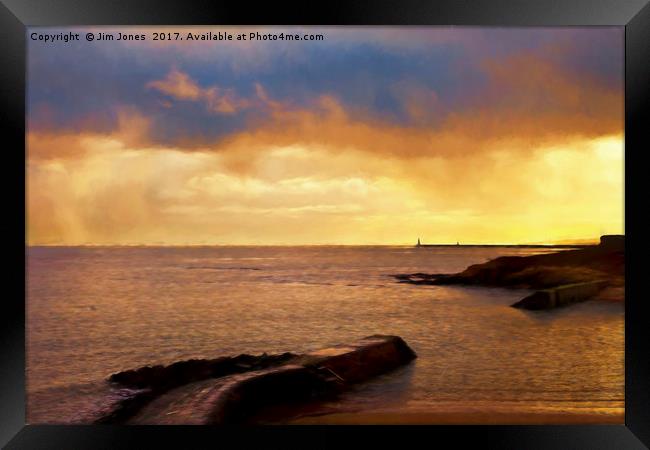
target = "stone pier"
x: 561, y: 295
x: 231, y: 390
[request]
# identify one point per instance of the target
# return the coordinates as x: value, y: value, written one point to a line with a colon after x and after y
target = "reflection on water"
x: 95, y: 311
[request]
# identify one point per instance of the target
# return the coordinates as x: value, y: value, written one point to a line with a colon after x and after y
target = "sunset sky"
x: 371, y: 136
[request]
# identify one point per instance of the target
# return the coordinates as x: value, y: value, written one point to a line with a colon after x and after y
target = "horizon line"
x: 499, y: 244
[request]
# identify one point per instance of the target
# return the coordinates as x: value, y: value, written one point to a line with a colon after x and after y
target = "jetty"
x: 419, y: 244
x: 236, y: 389
x: 561, y: 295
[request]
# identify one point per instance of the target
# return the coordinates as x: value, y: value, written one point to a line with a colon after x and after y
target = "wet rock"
x: 231, y: 399
x: 148, y: 383
x: 161, y: 378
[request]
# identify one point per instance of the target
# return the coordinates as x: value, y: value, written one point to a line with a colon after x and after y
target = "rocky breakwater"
x: 233, y: 389
x: 561, y: 295
x: 563, y: 277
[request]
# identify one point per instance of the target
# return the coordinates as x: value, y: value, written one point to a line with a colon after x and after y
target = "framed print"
x: 284, y: 225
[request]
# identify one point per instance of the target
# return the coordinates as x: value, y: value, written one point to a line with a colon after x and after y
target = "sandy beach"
x: 464, y: 418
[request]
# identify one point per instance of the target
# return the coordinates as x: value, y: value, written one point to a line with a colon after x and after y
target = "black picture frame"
x: 16, y: 15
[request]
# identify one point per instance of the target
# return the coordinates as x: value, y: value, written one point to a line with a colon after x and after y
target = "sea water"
x: 93, y: 311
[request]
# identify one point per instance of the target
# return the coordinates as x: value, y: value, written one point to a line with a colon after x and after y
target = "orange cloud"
x: 180, y: 86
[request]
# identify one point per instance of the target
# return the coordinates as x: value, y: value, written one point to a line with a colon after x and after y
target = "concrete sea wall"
x: 561, y: 295
x: 231, y: 390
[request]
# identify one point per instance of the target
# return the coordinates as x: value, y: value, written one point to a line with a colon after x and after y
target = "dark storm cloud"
x: 375, y: 74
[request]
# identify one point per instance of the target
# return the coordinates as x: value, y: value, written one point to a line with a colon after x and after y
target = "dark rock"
x: 161, y: 378
x: 419, y: 278
x: 231, y: 399
x: 614, y: 242
x: 129, y: 405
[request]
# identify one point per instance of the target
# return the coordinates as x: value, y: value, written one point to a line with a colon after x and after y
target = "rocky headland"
x: 562, y: 277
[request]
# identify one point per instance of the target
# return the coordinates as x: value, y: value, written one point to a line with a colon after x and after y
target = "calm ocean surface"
x: 95, y: 311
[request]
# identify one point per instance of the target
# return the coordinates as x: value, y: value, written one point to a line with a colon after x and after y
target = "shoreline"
x: 461, y: 418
